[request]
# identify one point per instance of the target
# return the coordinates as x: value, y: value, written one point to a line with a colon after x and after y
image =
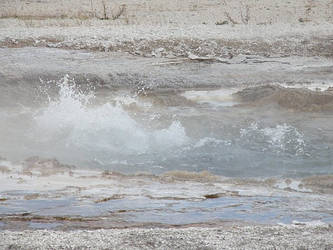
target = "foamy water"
x: 78, y: 148
x: 104, y: 133
x: 130, y: 132
x: 280, y: 138
x: 106, y: 128
x: 219, y: 97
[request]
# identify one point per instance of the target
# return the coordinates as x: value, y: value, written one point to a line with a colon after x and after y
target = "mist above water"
x: 130, y: 132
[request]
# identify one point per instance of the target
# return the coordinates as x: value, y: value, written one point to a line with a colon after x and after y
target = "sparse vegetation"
x: 105, y: 15
x: 107, y: 12
x: 308, y: 9
x: 230, y: 18
x: 230, y: 12
x: 100, y: 9
x: 244, y: 13
x: 222, y: 23
x: 119, y: 12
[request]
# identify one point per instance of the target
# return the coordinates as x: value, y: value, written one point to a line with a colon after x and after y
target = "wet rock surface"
x: 117, y: 70
x: 290, y: 98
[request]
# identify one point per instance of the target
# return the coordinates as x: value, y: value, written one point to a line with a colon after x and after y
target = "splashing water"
x: 72, y: 121
x: 281, y: 138
x: 129, y: 133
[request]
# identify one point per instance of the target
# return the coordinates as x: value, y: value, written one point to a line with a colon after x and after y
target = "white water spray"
x: 108, y: 129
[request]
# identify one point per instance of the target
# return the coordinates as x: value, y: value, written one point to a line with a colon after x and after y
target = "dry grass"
x: 243, y: 13
x: 4, y: 170
x: 310, y: 5
x: 106, y: 10
x: 119, y: 12
x: 230, y: 19
x: 88, y: 9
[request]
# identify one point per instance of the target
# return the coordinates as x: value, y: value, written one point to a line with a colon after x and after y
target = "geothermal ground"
x: 166, y: 125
